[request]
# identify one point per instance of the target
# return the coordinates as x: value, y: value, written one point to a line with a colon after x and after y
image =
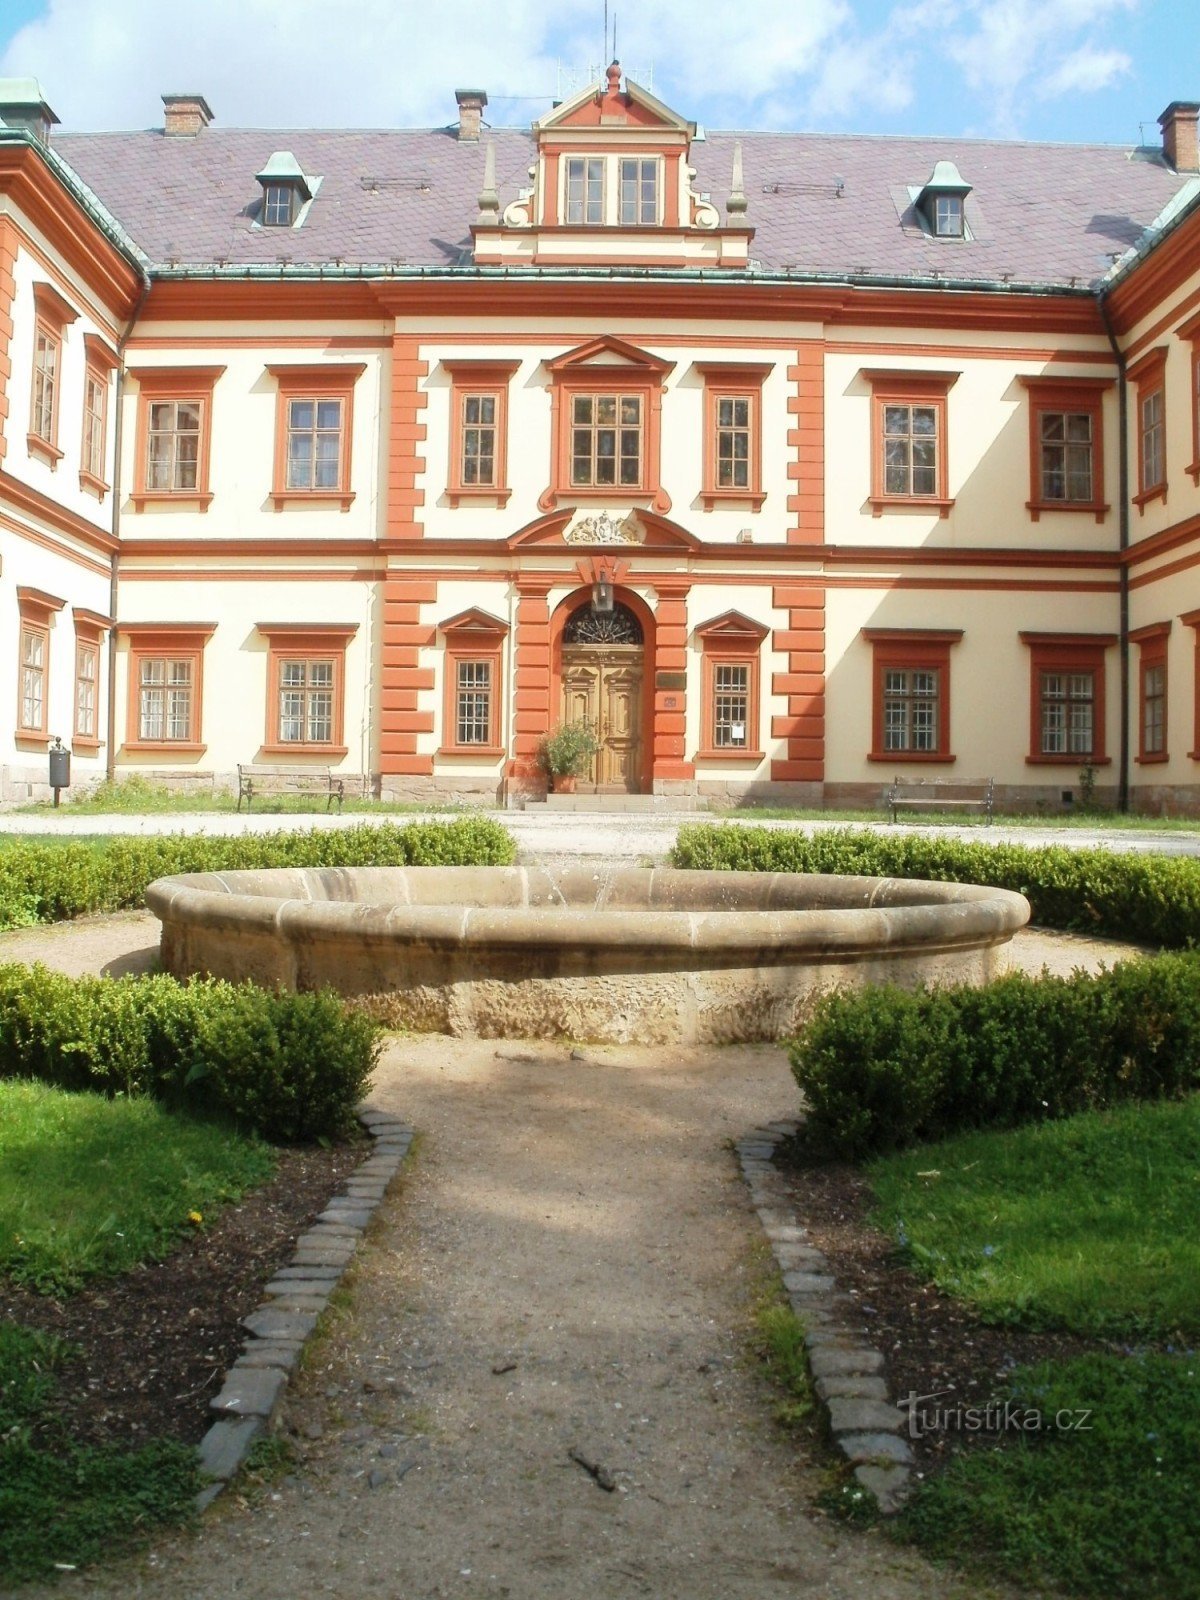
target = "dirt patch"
x: 932, y: 1344
x: 150, y: 1348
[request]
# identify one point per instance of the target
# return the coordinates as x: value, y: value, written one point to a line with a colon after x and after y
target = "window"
x: 1067, y: 698
x: 606, y: 440
x: 585, y: 189
x: 910, y: 719
x: 305, y: 691
x: 101, y: 363
x: 948, y: 216
x: 87, y: 662
x: 174, y: 435
x: 606, y: 406
x: 1191, y: 332
x: 479, y: 430
x: 53, y: 315
x: 90, y: 628
x: 1152, y: 690
x: 1066, y: 445
x: 1191, y: 619
x: 1149, y: 377
x: 37, y: 611
x: 279, y: 205
x: 732, y: 433
x: 908, y: 456
x: 639, y: 192
x: 166, y: 680
x: 471, y: 709
x: 732, y: 647
x: 313, y: 426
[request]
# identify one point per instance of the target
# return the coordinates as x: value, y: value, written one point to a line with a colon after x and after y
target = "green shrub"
x: 882, y: 1068
x: 51, y: 882
x: 1151, y: 899
x: 291, y: 1066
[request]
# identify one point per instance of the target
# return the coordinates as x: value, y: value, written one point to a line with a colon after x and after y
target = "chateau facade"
x: 791, y: 463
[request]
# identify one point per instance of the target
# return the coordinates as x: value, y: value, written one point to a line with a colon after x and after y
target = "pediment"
x: 607, y: 106
x: 635, y: 532
x: 473, y: 621
x: 608, y: 351
x: 732, y: 625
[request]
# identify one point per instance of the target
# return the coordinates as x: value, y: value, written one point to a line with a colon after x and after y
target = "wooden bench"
x: 940, y: 794
x: 254, y: 779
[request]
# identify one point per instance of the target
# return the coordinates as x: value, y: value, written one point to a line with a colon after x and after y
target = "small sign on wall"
x: 670, y: 680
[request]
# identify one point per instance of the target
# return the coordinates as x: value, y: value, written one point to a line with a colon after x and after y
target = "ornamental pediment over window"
x: 612, y: 185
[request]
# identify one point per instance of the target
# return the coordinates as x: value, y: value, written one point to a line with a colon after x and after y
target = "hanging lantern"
x: 602, y: 595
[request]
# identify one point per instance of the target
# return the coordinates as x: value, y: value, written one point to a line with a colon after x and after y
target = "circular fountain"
x: 642, y: 955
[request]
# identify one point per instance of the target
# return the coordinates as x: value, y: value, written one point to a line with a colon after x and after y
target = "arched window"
x: 618, y: 626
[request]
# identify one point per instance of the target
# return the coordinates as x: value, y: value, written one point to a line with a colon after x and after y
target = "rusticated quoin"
x: 652, y: 955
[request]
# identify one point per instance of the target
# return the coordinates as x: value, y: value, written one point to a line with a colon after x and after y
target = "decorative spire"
x: 736, y: 204
x: 489, y: 200
x: 614, y: 76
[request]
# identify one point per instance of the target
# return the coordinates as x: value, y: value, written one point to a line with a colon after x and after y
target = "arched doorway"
x: 602, y: 671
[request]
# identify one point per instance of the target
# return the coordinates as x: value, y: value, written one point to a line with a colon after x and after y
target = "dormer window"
x: 941, y: 203
x: 639, y: 193
x: 286, y: 191
x: 585, y: 189
x: 612, y: 190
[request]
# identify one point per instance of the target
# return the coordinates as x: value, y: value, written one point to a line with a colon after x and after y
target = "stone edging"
x: 250, y: 1398
x: 847, y: 1370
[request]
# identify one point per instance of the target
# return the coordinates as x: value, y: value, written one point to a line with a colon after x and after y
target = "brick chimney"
x: 470, y: 113
x: 1180, y: 146
x: 186, y: 115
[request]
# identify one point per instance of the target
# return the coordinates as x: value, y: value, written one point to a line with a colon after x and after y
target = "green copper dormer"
x: 942, y: 202
x: 286, y: 191
x: 23, y: 106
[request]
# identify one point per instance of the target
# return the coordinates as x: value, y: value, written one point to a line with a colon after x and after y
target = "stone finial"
x: 614, y: 76
x: 489, y: 200
x: 736, y: 204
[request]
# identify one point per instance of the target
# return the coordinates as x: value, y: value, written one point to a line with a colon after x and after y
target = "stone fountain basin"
x: 633, y: 954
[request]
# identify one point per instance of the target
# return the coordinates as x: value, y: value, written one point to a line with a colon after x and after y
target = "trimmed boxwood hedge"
x: 1149, y: 899
x: 882, y: 1068
x: 291, y: 1066
x: 49, y: 883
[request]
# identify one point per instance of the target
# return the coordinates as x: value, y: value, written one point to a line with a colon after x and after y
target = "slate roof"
x: 1042, y: 214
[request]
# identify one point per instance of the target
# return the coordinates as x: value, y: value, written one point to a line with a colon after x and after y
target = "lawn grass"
x: 61, y: 1505
x: 90, y: 1187
x: 1066, y: 821
x: 1104, y: 1506
x: 1091, y: 1223
x: 138, y: 796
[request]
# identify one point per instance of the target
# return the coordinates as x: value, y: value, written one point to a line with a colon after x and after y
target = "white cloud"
x: 1085, y: 71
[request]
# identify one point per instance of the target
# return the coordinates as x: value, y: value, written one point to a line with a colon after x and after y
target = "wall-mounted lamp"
x: 602, y: 595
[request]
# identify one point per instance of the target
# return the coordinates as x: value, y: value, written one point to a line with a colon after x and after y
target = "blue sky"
x: 1038, y: 69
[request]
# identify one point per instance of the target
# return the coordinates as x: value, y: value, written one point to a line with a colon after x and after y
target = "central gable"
x: 635, y: 110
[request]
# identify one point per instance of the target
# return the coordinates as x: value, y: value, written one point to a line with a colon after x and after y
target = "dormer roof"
x: 282, y: 167
x: 633, y: 110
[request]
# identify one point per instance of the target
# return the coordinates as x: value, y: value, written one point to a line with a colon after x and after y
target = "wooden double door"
x: 602, y: 685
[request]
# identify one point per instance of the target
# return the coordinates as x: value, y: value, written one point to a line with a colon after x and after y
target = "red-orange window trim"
x: 1191, y: 619
x: 1068, y: 395
x: 472, y: 377
x: 911, y: 650
x: 723, y: 380
x: 37, y: 611
x: 635, y: 371
x: 53, y: 315
x: 181, y: 640
x: 1148, y: 375
x: 90, y: 628
x: 895, y: 386
x: 100, y: 362
x: 731, y: 640
x: 1191, y: 332
x: 1152, y: 652
x: 314, y: 641
x: 179, y: 384
x: 472, y: 635
x: 314, y: 381
x: 1067, y: 653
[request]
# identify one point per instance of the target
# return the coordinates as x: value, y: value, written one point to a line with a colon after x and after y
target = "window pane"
x: 473, y: 687
x: 911, y: 718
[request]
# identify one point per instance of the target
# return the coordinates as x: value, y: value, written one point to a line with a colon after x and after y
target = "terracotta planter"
x: 563, y: 782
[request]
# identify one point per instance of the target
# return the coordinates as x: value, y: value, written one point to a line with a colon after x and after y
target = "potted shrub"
x: 566, y: 753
